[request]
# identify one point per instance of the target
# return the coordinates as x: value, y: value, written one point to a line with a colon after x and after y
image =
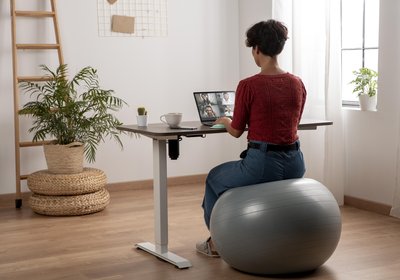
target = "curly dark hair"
x: 269, y: 36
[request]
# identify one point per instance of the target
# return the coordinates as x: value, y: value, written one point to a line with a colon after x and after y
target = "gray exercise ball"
x: 279, y: 227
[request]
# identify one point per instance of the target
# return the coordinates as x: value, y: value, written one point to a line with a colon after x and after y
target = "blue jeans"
x: 257, y: 167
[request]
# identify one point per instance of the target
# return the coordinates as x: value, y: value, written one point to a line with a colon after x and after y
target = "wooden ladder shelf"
x: 16, y: 47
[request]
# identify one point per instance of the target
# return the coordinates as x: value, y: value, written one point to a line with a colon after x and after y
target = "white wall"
x: 199, y: 53
x: 250, y: 12
x: 372, y: 138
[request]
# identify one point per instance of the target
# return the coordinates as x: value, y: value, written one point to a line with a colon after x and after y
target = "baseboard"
x: 8, y: 200
x: 171, y: 181
x: 395, y: 212
x: 368, y: 205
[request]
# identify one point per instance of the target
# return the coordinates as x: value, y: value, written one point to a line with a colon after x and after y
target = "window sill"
x: 351, y: 107
x: 356, y: 108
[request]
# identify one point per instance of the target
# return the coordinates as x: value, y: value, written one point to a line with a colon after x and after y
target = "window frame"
x: 352, y: 103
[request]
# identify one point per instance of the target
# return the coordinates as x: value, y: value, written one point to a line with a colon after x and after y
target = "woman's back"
x: 271, y: 105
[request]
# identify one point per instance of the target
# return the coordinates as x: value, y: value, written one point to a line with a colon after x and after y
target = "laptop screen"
x: 214, y: 104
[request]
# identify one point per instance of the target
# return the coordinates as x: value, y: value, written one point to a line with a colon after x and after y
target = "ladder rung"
x: 37, y: 46
x: 33, y: 144
x: 23, y: 177
x: 34, y: 13
x: 34, y: 79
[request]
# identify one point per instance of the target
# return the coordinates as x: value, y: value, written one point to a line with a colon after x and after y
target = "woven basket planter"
x: 64, y: 159
x: 46, y: 183
x: 71, y: 205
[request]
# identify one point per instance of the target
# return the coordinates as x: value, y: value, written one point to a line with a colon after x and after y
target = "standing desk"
x: 161, y: 135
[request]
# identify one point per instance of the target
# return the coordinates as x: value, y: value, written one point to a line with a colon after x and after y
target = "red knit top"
x: 271, y: 106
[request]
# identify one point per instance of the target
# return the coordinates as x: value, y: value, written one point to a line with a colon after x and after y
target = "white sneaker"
x: 205, y: 248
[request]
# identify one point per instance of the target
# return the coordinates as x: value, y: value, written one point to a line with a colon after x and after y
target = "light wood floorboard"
x: 101, y: 245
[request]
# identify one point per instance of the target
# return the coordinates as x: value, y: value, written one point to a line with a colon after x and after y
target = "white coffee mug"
x: 172, y: 119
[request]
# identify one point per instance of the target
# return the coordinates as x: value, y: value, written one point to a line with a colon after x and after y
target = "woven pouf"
x: 88, y: 181
x: 70, y: 205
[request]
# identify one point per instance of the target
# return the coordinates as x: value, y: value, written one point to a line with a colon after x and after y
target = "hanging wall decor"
x: 134, y: 18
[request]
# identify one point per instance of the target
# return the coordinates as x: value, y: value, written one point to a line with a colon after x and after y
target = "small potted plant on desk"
x: 142, y: 116
x: 365, y: 86
x: 75, y: 113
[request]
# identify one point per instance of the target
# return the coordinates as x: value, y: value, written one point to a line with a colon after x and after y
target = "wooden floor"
x: 101, y: 245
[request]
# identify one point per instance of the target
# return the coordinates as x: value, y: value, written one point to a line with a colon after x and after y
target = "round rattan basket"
x: 46, y: 183
x: 71, y: 205
x: 64, y: 159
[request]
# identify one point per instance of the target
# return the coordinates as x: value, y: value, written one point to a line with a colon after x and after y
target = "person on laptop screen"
x: 270, y: 104
x: 228, y: 98
x: 209, y: 112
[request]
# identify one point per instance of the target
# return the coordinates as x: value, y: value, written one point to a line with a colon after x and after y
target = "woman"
x: 270, y: 104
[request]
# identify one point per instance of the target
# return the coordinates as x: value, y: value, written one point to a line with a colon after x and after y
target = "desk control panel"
x: 173, y: 148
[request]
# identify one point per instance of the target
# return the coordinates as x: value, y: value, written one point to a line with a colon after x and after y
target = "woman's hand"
x: 227, y: 123
x: 223, y: 120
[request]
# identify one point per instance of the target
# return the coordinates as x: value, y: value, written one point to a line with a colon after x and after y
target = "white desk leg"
x: 160, y: 249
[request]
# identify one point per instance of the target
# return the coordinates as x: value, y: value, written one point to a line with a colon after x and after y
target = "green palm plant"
x: 75, y: 110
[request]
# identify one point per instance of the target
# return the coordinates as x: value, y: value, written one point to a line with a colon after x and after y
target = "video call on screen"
x: 212, y: 105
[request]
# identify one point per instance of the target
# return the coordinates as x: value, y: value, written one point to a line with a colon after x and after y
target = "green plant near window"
x: 73, y: 111
x: 365, y: 82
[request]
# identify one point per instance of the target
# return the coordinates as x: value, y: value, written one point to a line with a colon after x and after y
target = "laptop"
x: 214, y: 104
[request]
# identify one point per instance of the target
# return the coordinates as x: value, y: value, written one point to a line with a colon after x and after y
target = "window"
x: 360, y: 40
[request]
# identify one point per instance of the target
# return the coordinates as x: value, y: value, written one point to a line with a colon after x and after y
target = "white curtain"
x: 313, y: 53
